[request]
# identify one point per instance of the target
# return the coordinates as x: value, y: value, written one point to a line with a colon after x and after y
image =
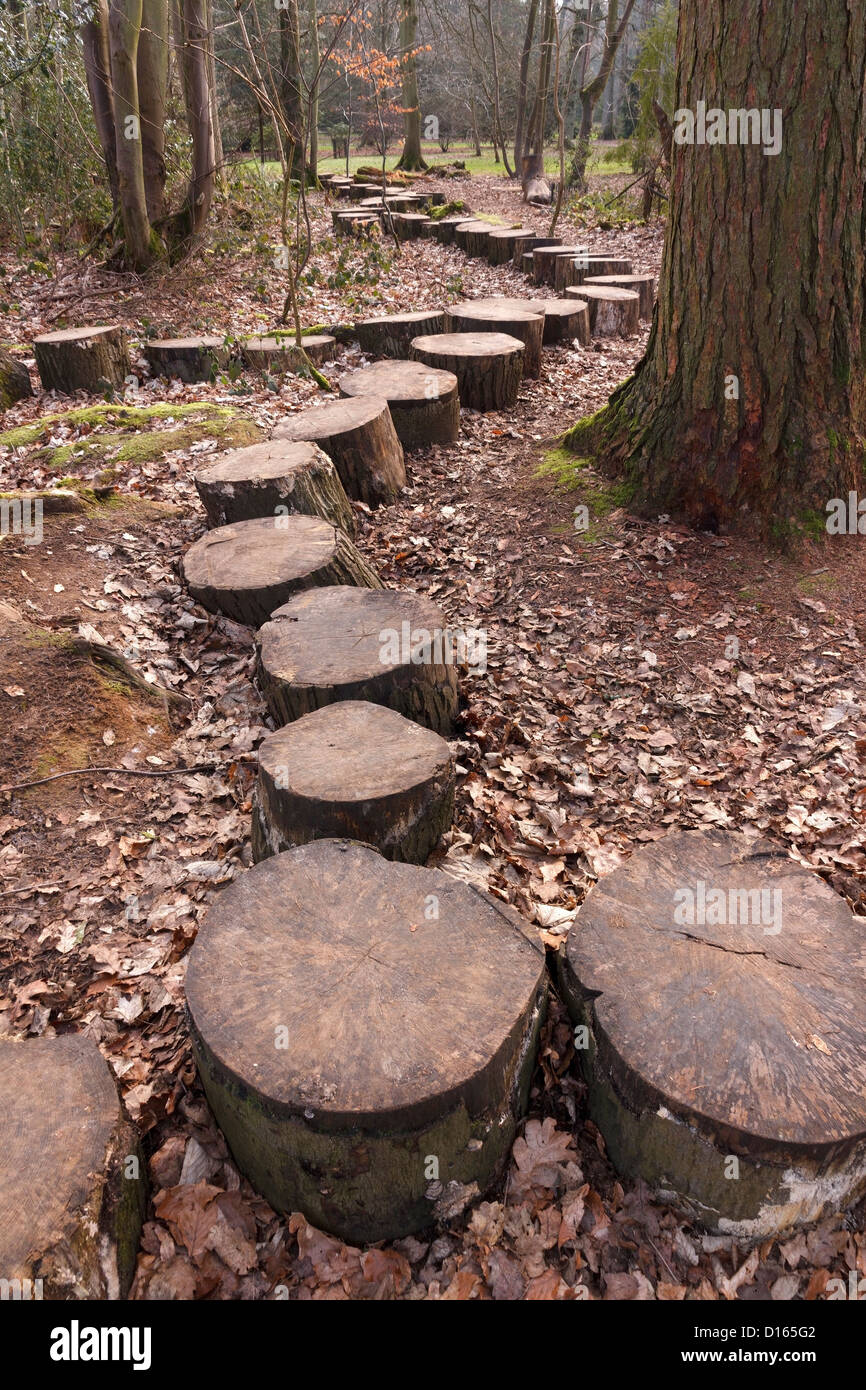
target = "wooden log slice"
x: 642, y: 285
x: 612, y: 312
x: 262, y: 352
x: 359, y: 436
x: 488, y: 366
x: 528, y: 242
x: 564, y: 319
x: 391, y: 335
x: 359, y: 191
x: 353, y: 1018
x: 15, y: 384
x: 472, y: 237
x: 72, y: 1192
x: 250, y: 568
x: 409, y: 225
x: 82, y: 359
x: 273, y: 479
x: 722, y: 986
x: 188, y: 359
x: 446, y: 227
x: 527, y: 265
x: 424, y: 403
x: 390, y: 648
x: 355, y: 770
x: 492, y: 317
x: 586, y: 267
x: 355, y: 223
x: 501, y: 242
x: 544, y: 258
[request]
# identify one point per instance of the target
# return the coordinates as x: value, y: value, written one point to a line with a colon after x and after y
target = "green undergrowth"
x: 601, y: 496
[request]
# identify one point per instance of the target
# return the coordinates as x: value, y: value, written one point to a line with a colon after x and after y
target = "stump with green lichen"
x: 83, y: 359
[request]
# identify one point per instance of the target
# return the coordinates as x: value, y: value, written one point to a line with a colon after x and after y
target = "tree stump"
x: 424, y: 403
x: 250, y: 568
x: 355, y: 770
x: 391, y: 648
x: 356, y: 224
x: 612, y: 312
x: 490, y: 316
x: 273, y: 479
x: 544, y: 259
x: 359, y: 191
x: 583, y: 268
x: 527, y: 243
x: 359, y: 436
x: 445, y: 228
x: 189, y: 359
x: 72, y: 1194
x: 262, y: 352
x: 391, y: 335
x: 14, y: 381
x: 564, y: 319
x: 365, y: 1032
x: 409, y: 225
x: 488, y: 366
x: 722, y: 988
x: 501, y: 242
x: 472, y: 237
x: 82, y: 359
x: 644, y: 286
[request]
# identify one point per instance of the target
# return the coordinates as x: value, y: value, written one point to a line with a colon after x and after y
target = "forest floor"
x: 613, y: 709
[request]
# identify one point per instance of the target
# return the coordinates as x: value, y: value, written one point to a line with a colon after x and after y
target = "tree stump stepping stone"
x: 583, y: 268
x: 263, y: 352
x: 501, y: 242
x: 187, y: 359
x: 72, y: 1193
x: 423, y: 401
x: 250, y: 568
x: 273, y: 479
x: 391, y: 335
x: 544, y: 258
x: 355, y: 224
x: 642, y: 285
x: 492, y: 316
x: 564, y: 319
x: 391, y: 648
x: 82, y: 359
x: 360, y: 1025
x: 613, y: 313
x: 527, y: 243
x: 359, y: 191
x: 444, y: 228
x: 488, y: 366
x: 15, y: 384
x: 359, y: 436
x: 472, y: 237
x: 721, y: 986
x: 409, y: 225
x: 353, y: 770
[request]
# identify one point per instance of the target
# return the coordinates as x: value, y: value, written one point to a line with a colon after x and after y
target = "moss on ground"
x: 600, y: 496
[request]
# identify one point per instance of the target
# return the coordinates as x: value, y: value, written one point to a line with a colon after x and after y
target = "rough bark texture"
x: 97, y: 67
x: 529, y: 243
x: 473, y: 237
x: 124, y: 33
x: 782, y: 310
x: 15, y: 380
x: 420, y: 1042
x: 526, y: 324
x: 291, y: 93
x: 82, y: 359
x: 249, y: 569
x: 392, y: 336
x: 411, y: 156
x: 72, y: 1191
x: 613, y: 313
x: 360, y: 437
x: 196, y: 86
x: 409, y: 225
x: 502, y: 241
x: 424, y: 404
x: 353, y: 770
x: 488, y: 366
x: 271, y: 479
x: 341, y: 644
x: 189, y: 359
x: 445, y: 228
x: 153, y: 48
x: 544, y: 260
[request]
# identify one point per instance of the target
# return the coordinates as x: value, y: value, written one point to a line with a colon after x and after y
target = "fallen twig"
x: 125, y: 771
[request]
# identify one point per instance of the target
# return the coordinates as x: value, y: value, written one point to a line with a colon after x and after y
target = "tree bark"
x: 523, y: 80
x: 411, y: 157
x: 291, y: 95
x: 591, y: 91
x: 194, y: 17
x: 315, y: 61
x: 124, y: 31
x: 219, y: 154
x: 97, y: 66
x: 752, y: 395
x: 152, y: 73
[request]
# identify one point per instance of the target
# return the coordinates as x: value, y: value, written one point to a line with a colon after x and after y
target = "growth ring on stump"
x: 488, y: 366
x: 82, y: 359
x: 392, y: 648
x: 71, y: 1192
x: 355, y: 770
x: 272, y: 479
x: 424, y: 403
x: 248, y: 569
x: 359, y: 436
x: 392, y: 336
x: 353, y: 1018
x: 722, y: 988
x: 524, y: 322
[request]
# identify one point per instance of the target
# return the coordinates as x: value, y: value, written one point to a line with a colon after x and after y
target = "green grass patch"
x: 600, y: 496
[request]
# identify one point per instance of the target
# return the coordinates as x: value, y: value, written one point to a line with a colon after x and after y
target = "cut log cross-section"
x: 82, y: 359
x: 358, y: 770
x: 642, y: 285
x: 359, y: 436
x: 391, y: 648
x: 72, y: 1192
x: 424, y: 403
x: 409, y: 225
x: 564, y: 319
x: 446, y: 227
x: 187, y: 359
x: 575, y: 270
x: 526, y: 244
x: 279, y: 353
x: 501, y: 242
x: 472, y: 237
x: 248, y: 569
x: 721, y: 988
x: 544, y: 258
x: 613, y: 313
x: 487, y: 366
x: 492, y: 316
x: 392, y: 336
x: 273, y: 479
x: 350, y: 1018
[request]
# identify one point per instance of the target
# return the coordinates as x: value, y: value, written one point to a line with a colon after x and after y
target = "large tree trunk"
x: 411, y: 157
x: 315, y: 78
x: 291, y: 96
x: 97, y: 66
x: 591, y: 91
x: 219, y: 155
x: 152, y: 72
x: 522, y: 82
x: 751, y: 398
x: 124, y: 30
x: 193, y: 16
x: 497, y: 117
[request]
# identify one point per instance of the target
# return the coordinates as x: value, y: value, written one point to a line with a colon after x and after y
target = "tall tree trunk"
x: 152, y: 74
x: 315, y: 61
x: 497, y: 120
x: 411, y: 157
x: 592, y: 90
x: 97, y: 66
x: 218, y: 152
x: 124, y: 30
x: 751, y: 399
x: 522, y: 83
x: 475, y: 136
x: 291, y: 93
x: 538, y: 119
x: 193, y: 18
